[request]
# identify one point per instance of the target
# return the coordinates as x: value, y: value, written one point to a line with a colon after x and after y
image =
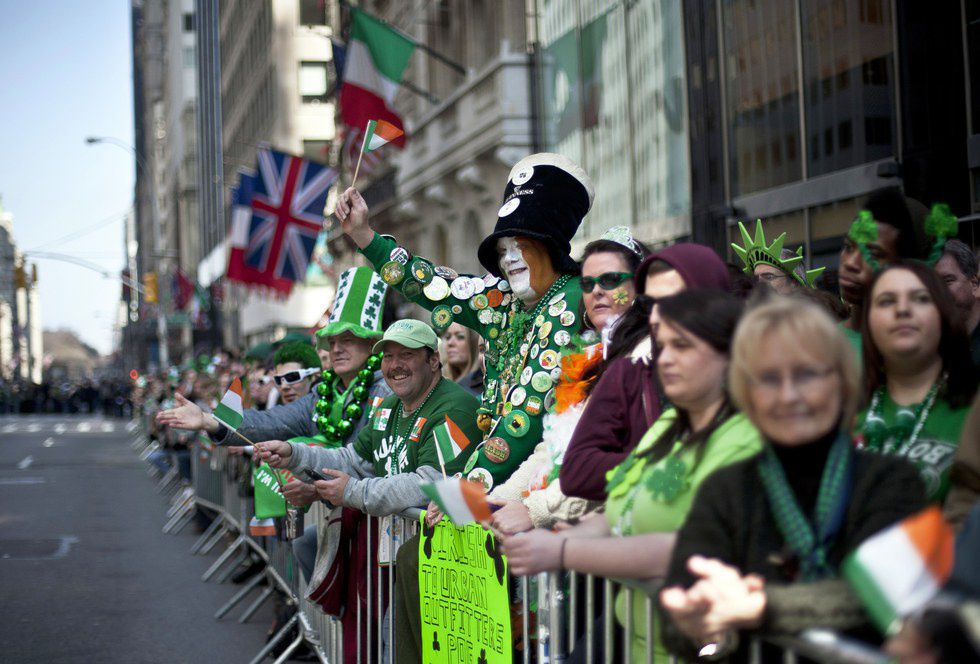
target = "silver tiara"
x: 622, y: 235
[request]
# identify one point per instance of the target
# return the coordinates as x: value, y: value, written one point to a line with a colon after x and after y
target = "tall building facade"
x: 274, y: 76
x: 469, y: 119
x: 799, y: 109
x: 21, y: 344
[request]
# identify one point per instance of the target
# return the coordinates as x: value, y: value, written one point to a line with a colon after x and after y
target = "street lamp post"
x: 157, y: 237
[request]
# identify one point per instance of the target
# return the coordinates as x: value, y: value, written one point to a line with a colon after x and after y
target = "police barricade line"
x: 563, y: 620
x: 560, y: 625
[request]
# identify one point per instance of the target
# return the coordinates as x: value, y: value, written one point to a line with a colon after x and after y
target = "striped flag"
x: 897, y: 571
x: 380, y: 133
x: 230, y: 412
x: 376, y: 59
x: 461, y: 500
x: 450, y: 441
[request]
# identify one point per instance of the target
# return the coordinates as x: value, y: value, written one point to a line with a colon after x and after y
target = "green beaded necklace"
x: 359, y: 389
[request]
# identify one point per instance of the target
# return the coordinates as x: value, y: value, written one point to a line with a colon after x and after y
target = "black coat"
x: 730, y: 520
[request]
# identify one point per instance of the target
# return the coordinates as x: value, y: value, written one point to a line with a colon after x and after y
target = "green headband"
x: 755, y: 251
x: 864, y: 230
x: 940, y: 224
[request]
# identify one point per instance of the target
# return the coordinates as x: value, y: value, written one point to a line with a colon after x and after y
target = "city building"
x: 800, y: 109
x: 275, y: 79
x: 21, y: 344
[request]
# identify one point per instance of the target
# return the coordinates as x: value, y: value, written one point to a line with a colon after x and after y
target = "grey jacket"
x: 378, y: 496
x: 291, y: 420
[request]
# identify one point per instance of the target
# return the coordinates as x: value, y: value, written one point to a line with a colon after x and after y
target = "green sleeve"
x: 363, y: 444
x: 378, y: 253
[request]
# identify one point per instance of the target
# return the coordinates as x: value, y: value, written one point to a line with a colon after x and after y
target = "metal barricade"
x: 573, y: 610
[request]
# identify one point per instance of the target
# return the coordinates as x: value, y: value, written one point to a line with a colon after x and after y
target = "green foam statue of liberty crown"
x: 755, y: 251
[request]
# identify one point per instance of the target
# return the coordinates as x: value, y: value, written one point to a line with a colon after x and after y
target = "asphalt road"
x: 86, y: 575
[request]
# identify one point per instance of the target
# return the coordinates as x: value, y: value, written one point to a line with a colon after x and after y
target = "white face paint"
x: 514, y: 268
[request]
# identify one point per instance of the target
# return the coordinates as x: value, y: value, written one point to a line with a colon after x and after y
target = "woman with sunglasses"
x: 650, y: 492
x: 532, y: 496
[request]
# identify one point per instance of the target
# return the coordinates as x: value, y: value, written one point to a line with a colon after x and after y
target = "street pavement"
x: 86, y: 575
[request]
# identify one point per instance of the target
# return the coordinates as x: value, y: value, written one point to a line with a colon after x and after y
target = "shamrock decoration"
x: 620, y: 296
x: 666, y: 483
x: 941, y: 224
x: 620, y: 473
x: 863, y: 231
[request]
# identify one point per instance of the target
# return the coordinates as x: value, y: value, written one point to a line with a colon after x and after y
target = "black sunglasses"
x: 291, y: 377
x: 606, y: 281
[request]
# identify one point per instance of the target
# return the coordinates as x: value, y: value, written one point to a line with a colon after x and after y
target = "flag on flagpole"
x: 450, y: 441
x: 380, y: 133
x: 461, y: 500
x: 897, y: 571
x: 230, y: 412
x: 376, y: 58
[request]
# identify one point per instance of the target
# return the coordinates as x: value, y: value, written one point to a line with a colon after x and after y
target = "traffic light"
x: 150, y: 287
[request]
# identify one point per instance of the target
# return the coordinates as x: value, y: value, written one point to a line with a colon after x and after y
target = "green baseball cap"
x: 410, y: 333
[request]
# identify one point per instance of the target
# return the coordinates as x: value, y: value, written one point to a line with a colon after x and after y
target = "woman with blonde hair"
x: 765, y: 537
x: 460, y: 350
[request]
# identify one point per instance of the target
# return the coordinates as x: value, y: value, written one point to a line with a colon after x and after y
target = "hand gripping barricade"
x: 557, y: 611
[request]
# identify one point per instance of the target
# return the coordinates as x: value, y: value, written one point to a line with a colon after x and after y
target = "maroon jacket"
x: 623, y: 405
x: 626, y: 400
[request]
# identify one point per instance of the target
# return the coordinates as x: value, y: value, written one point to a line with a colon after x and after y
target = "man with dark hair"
x: 889, y: 228
x: 958, y: 269
x: 297, y: 365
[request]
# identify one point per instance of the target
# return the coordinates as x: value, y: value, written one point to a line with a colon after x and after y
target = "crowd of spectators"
x: 722, y: 435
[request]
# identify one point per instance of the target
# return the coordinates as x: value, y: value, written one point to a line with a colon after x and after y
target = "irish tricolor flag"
x: 380, y: 133
x: 450, y: 441
x: 461, y: 500
x: 897, y: 571
x: 377, y: 57
x: 230, y: 412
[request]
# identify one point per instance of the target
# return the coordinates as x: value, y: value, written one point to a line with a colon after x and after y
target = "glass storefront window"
x: 614, y: 99
x: 848, y: 65
x: 762, y: 93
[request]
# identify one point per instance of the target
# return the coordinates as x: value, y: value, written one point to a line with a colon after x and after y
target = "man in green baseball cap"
x: 424, y: 429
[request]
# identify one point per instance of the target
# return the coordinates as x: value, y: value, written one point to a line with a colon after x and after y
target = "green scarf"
x: 811, y: 540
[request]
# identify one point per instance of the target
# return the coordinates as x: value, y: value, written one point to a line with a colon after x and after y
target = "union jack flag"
x: 287, y: 214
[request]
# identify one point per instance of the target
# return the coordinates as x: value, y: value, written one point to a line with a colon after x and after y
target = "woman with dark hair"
x: 919, y: 376
x: 651, y: 491
x: 764, y: 539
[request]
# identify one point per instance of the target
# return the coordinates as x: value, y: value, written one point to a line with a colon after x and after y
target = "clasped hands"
x: 721, y: 600
x: 277, y: 452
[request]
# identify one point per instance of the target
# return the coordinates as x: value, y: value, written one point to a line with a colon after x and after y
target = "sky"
x: 66, y: 73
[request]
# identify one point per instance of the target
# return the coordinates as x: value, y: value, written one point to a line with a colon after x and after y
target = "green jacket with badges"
x: 394, y: 454
x: 523, y: 357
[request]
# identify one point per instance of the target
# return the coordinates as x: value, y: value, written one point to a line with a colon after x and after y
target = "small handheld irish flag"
x: 230, y: 412
x: 450, y: 442
x: 896, y: 572
x: 461, y: 500
x: 379, y: 133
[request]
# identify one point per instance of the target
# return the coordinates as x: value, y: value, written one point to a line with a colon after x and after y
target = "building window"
x: 312, y: 12
x: 313, y: 81
x: 188, y: 22
x: 318, y: 151
x: 189, y: 57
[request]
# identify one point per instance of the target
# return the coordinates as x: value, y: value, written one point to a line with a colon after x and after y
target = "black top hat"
x: 546, y: 198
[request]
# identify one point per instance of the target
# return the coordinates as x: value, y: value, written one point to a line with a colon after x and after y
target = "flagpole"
x: 359, y: 157
x: 274, y: 472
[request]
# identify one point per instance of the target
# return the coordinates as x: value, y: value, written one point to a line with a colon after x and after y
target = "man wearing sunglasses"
x: 297, y: 365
